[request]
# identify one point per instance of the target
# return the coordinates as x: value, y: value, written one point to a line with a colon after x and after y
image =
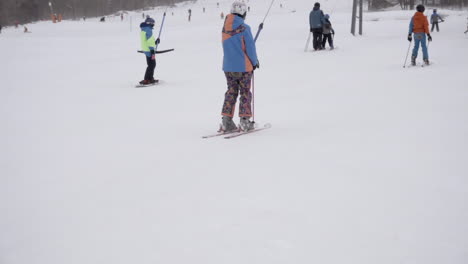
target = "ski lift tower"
x: 354, y: 17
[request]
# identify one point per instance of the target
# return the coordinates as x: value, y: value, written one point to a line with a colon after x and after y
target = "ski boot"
x: 245, y: 124
x: 145, y: 82
x: 413, y: 61
x: 227, y: 124
x: 154, y: 80
x: 426, y: 61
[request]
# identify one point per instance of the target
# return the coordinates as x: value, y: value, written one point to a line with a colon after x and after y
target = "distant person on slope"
x: 148, y: 45
x: 419, y: 27
x: 328, y: 31
x: 435, y: 20
x: 466, y: 26
x: 316, y: 19
x: 239, y: 62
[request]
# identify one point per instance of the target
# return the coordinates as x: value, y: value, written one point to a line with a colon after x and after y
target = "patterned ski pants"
x: 238, y: 82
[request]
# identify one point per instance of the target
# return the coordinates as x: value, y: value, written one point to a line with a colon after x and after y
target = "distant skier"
x: 328, y: 31
x: 419, y: 27
x: 222, y: 15
x: 148, y: 46
x: 316, y: 19
x: 239, y: 62
x: 103, y: 19
x: 189, y: 14
x: 435, y: 20
x: 0, y: 29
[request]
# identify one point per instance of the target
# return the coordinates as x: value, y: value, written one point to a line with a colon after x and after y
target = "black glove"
x: 260, y: 26
x: 410, y: 38
x: 157, y: 41
x: 429, y: 37
x: 311, y: 30
x: 333, y: 32
x: 257, y: 66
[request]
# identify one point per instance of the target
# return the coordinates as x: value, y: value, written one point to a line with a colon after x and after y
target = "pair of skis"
x: 237, y: 133
x: 420, y: 65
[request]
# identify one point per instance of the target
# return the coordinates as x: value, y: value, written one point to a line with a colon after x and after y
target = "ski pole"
x: 409, y: 46
x: 307, y: 42
x: 253, y: 97
x: 260, y: 27
x: 158, y: 51
x: 160, y: 28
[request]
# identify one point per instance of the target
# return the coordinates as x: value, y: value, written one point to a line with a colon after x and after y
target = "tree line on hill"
x: 26, y: 11
x: 411, y: 4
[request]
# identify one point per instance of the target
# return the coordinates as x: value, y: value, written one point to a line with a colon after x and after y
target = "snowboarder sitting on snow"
x: 148, y: 46
x: 419, y: 27
x: 316, y: 19
x: 435, y: 20
x: 327, y: 32
x: 239, y: 62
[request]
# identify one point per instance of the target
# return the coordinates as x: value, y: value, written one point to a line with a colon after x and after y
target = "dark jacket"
x: 316, y: 18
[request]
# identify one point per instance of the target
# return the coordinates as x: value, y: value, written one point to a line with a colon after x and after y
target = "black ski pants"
x: 317, y: 38
x: 435, y: 24
x: 330, y: 40
x: 149, y: 74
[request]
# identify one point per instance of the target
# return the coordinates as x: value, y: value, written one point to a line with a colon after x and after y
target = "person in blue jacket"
x: 435, y: 18
x: 239, y: 62
x: 148, y: 45
x: 316, y: 20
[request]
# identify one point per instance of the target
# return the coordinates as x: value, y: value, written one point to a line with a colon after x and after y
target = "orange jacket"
x: 419, y: 24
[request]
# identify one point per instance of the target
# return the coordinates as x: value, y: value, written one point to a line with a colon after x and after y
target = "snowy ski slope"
x: 366, y: 162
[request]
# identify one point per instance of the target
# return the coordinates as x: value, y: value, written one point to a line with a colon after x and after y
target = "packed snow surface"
x: 366, y: 162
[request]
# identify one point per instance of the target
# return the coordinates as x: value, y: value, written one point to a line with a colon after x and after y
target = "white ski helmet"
x: 239, y: 8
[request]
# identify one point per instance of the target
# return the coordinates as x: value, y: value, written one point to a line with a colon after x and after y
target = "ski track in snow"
x: 366, y: 161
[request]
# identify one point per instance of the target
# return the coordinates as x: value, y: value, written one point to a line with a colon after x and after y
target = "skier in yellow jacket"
x: 148, y: 45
